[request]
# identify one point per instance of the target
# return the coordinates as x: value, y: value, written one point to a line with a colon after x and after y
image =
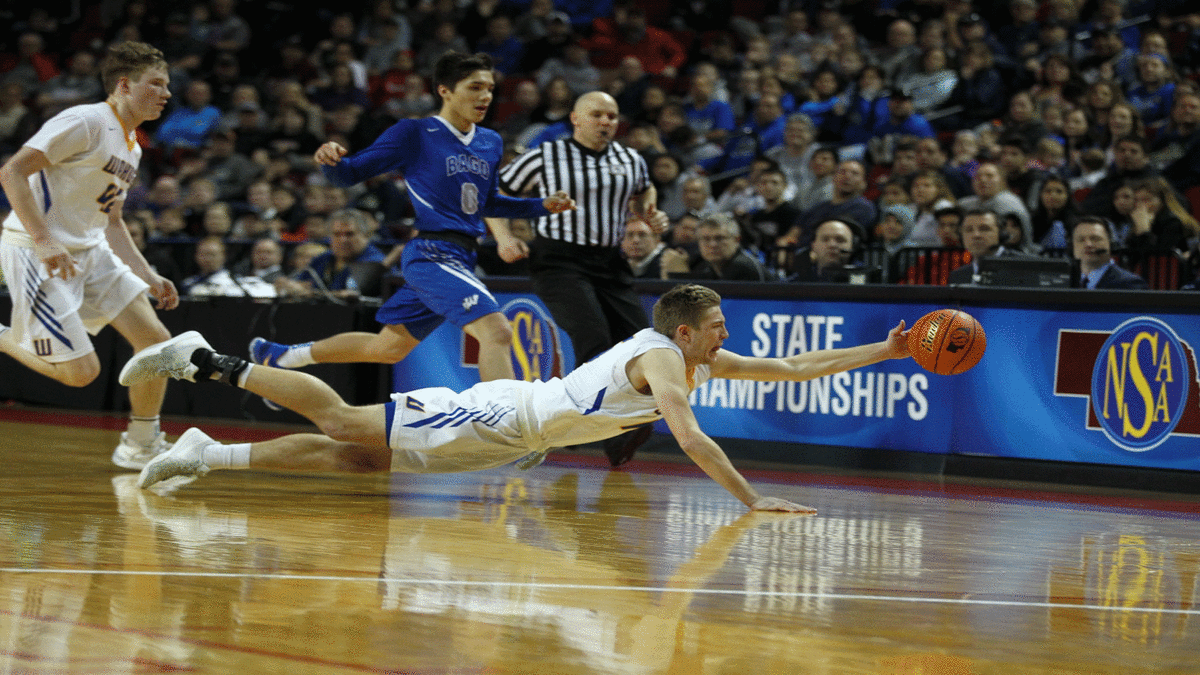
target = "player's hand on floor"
x: 777, y: 504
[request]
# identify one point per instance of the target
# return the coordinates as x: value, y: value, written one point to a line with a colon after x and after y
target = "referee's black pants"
x: 589, y: 292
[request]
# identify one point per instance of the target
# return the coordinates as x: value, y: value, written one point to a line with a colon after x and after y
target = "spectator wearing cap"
x: 552, y: 44
x: 900, y: 119
x: 188, y: 126
x: 971, y: 28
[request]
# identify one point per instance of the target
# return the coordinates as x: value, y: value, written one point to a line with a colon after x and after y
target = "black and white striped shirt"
x: 601, y: 183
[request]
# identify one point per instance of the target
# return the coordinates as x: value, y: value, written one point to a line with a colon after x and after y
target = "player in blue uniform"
x: 449, y: 165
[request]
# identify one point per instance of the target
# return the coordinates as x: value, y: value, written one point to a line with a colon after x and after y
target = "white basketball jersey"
x: 597, y: 401
x: 93, y: 162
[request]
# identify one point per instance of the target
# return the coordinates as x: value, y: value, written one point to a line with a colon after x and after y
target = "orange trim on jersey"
x: 130, y: 134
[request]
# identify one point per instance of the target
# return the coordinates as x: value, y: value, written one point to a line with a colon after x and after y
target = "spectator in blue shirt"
x: 188, y: 126
x: 711, y: 118
x: 1155, y: 95
x: 900, y: 119
x: 506, y: 49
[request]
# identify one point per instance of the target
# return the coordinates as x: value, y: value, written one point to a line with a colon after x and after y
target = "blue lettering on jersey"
x: 464, y: 163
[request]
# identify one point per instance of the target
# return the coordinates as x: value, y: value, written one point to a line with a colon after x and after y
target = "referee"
x: 575, y: 260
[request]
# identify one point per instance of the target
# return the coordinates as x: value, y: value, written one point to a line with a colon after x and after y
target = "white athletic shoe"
x: 132, y: 455
x: 172, y: 358
x: 184, y: 459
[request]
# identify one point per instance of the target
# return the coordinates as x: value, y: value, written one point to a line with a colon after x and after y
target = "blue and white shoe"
x: 267, y: 353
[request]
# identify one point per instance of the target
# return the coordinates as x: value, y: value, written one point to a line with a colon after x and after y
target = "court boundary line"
x: 799, y: 595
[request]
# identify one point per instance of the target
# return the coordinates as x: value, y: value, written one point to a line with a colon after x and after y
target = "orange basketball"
x: 947, y: 342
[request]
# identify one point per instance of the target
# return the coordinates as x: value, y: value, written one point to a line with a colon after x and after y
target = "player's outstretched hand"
x: 897, y: 342
x: 777, y: 504
x: 329, y: 154
x: 559, y: 202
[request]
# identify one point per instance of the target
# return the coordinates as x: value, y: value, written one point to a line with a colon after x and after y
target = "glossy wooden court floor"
x: 572, y: 568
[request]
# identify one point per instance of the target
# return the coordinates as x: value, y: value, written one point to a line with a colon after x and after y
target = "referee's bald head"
x: 595, y: 119
x: 594, y: 98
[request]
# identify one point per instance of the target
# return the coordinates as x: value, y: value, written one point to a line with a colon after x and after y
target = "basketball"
x: 947, y: 342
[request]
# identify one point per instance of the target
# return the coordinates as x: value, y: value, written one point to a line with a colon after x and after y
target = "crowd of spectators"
x: 788, y: 141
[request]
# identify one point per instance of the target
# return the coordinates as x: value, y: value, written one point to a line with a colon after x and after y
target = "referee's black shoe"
x: 620, y: 449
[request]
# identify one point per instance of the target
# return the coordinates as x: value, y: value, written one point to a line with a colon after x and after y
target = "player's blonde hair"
x: 682, y: 305
x: 129, y: 59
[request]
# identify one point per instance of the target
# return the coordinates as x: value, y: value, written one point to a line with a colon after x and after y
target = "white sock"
x: 218, y: 456
x: 142, y: 430
x: 241, y: 383
x: 297, y: 356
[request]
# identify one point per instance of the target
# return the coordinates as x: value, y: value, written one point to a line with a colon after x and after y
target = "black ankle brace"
x: 227, y: 367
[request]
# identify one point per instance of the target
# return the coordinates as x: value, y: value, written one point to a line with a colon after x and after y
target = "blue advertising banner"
x: 1089, y: 386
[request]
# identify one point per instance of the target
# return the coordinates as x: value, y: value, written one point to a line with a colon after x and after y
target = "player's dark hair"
x: 454, y: 67
x: 683, y: 305
x: 130, y: 60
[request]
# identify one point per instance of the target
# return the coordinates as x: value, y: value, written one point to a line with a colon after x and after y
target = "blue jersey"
x: 451, y: 176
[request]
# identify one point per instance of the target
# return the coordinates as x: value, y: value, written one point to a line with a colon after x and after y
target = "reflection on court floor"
x: 574, y: 568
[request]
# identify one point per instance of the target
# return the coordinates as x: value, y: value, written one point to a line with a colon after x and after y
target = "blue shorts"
x: 439, y: 284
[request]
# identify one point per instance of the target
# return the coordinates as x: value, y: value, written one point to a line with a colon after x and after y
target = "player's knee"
x: 80, y: 374
x: 154, y: 335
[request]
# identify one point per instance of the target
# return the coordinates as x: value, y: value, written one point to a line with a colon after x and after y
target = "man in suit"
x: 643, y: 250
x: 833, y: 248
x: 1091, y: 243
x: 983, y: 237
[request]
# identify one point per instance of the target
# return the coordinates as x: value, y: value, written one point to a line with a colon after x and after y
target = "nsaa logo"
x: 1139, y: 385
x: 536, y: 352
